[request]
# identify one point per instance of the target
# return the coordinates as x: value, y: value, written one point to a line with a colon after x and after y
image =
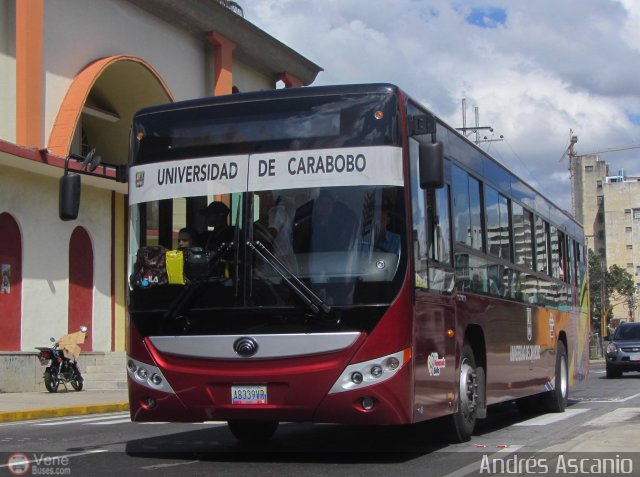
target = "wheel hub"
x: 468, y: 390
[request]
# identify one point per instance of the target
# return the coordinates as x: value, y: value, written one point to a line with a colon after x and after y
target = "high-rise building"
x: 608, y: 205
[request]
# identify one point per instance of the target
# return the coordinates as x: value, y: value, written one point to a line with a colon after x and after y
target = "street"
x: 109, y: 444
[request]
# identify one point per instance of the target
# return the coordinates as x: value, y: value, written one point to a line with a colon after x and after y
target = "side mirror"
x: 69, y: 194
x: 431, y: 165
x: 53, y: 340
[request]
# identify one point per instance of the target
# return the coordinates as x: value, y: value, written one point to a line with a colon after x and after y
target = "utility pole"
x: 603, y: 298
x: 477, y: 128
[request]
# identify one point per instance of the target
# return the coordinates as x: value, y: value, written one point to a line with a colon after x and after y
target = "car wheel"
x: 613, y: 372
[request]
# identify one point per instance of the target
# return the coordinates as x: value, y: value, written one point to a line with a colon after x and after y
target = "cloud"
x: 534, y: 69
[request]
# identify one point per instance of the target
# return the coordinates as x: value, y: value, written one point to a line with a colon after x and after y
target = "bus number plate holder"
x: 250, y: 394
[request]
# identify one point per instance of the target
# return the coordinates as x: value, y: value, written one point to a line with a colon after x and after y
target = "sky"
x: 535, y: 69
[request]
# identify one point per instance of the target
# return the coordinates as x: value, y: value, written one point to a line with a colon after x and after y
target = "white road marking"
x: 617, y: 416
x: 551, y: 418
x: 164, y: 466
x: 79, y: 420
x: 109, y: 423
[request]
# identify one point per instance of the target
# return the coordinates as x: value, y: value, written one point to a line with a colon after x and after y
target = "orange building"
x: 72, y: 74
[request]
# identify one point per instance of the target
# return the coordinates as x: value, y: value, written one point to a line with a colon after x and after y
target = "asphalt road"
x: 111, y: 445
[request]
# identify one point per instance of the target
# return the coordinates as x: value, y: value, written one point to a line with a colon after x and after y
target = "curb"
x: 31, y: 414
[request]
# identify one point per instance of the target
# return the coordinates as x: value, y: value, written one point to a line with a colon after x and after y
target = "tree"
x: 608, y: 288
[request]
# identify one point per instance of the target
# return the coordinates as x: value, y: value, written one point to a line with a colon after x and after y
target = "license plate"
x: 45, y: 363
x: 248, y: 394
x: 634, y: 357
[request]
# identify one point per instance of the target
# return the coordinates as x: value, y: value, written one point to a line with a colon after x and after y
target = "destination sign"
x: 358, y: 166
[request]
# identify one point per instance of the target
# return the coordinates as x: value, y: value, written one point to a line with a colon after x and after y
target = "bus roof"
x: 284, y: 93
x: 480, y: 164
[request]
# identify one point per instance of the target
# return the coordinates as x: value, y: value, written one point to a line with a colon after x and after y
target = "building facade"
x: 72, y: 74
x: 608, y: 205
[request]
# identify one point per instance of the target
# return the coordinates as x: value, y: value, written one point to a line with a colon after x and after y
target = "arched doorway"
x: 99, y: 106
x: 81, y: 284
x: 10, y: 283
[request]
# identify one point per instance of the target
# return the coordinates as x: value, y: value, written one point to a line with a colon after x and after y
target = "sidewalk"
x: 41, y: 405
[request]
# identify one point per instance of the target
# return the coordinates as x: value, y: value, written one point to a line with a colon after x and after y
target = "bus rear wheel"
x: 253, y: 432
x: 556, y: 400
x: 464, y: 420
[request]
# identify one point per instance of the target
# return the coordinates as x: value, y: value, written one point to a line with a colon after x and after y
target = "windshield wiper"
x: 313, y: 301
x: 186, y: 295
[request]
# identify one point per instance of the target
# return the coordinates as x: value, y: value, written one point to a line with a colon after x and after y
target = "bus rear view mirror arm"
x: 69, y: 188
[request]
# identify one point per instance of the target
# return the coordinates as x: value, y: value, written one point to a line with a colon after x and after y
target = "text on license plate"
x: 248, y: 394
x: 634, y: 357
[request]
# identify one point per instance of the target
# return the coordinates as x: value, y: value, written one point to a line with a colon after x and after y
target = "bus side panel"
x: 519, y: 359
x: 579, y: 360
x: 434, y: 356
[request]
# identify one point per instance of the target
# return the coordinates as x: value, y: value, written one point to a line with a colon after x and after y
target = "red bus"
x: 352, y: 259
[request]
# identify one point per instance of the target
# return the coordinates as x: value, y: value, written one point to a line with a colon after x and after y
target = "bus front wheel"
x: 253, y: 432
x: 464, y: 420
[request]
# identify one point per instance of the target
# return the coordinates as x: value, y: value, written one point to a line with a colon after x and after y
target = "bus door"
x: 434, y: 351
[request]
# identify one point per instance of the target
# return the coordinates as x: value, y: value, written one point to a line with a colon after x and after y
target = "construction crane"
x: 570, y: 151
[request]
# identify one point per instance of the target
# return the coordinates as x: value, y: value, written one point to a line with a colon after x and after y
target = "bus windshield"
x: 285, y: 207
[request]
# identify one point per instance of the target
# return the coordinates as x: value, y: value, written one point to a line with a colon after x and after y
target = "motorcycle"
x: 60, y: 361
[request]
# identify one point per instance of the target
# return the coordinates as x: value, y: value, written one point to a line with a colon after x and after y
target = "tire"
x: 253, y: 432
x: 556, y: 400
x: 613, y: 372
x: 51, y: 382
x: 464, y: 420
x: 77, y: 381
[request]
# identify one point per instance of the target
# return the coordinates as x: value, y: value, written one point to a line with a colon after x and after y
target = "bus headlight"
x: 376, y: 371
x: 360, y: 375
x: 148, y: 376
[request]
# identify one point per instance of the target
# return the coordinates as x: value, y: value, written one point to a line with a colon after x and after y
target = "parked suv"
x: 623, y: 352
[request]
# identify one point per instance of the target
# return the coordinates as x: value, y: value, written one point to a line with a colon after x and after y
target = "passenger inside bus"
x: 280, y: 226
x: 386, y: 240
x: 216, y: 214
x: 332, y: 225
x: 185, y: 238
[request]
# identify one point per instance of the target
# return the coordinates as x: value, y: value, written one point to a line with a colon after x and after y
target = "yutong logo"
x: 245, y: 346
